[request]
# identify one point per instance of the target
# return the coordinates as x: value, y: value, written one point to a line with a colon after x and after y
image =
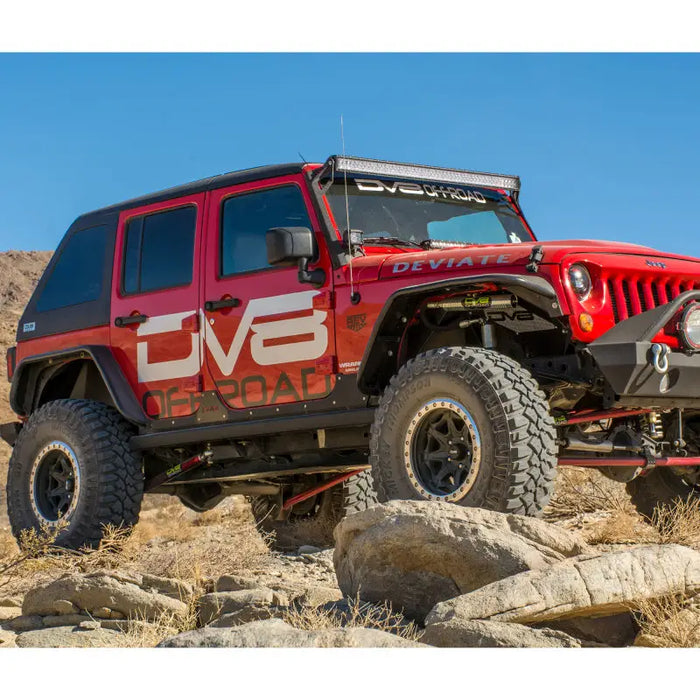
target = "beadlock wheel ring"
x: 55, y: 484
x: 442, y: 450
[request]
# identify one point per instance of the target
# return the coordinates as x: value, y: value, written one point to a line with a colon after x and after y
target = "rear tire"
x: 467, y: 426
x: 660, y: 487
x: 72, y: 470
x: 313, y: 521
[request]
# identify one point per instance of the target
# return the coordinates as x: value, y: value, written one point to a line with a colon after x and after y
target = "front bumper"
x: 625, y: 356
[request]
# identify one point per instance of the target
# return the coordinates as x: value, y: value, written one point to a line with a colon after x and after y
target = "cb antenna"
x: 354, y: 296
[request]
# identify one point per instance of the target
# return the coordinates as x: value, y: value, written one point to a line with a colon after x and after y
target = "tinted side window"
x: 77, y: 276
x: 159, y: 250
x: 247, y: 217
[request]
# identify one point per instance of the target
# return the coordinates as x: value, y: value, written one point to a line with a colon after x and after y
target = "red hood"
x: 466, y: 258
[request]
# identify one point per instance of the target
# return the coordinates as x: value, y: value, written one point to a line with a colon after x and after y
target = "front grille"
x: 631, y: 297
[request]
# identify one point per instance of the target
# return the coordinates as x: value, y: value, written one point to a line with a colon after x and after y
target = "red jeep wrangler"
x: 268, y: 332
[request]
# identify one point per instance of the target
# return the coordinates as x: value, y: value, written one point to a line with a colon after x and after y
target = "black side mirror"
x: 294, y: 244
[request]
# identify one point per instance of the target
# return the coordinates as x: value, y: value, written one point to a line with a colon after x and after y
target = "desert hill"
x: 19, y: 272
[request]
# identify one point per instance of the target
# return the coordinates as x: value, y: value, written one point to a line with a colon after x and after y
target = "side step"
x: 253, y: 428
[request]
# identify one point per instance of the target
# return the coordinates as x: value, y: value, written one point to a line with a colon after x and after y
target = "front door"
x: 268, y: 338
x: 155, y: 302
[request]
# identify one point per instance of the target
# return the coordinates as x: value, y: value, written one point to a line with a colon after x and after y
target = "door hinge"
x: 327, y: 365
x: 325, y: 301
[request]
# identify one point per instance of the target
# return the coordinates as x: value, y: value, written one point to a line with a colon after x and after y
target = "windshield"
x: 417, y: 213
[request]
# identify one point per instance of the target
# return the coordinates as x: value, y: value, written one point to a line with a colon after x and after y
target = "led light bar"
x: 383, y: 168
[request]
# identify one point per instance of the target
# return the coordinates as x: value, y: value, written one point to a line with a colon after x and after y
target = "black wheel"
x: 661, y: 486
x: 72, y: 469
x: 467, y: 426
x: 312, y: 521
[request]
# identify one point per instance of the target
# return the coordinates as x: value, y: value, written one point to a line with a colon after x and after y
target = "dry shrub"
x: 581, y: 490
x: 360, y: 614
x: 168, y: 542
x: 671, y: 621
x: 207, y: 544
x: 621, y: 527
x: 678, y: 523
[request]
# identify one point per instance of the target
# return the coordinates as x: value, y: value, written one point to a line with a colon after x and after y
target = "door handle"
x: 121, y: 321
x: 221, y: 304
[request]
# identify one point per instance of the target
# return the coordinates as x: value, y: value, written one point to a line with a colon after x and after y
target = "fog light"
x: 585, y: 322
x: 690, y: 327
x: 580, y: 280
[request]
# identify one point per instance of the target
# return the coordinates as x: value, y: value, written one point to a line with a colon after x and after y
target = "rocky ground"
x: 401, y: 574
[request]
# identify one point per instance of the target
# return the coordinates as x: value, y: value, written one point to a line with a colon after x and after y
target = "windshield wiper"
x: 391, y: 240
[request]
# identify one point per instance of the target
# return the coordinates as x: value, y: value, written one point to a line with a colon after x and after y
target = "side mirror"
x: 294, y: 244
x: 286, y: 246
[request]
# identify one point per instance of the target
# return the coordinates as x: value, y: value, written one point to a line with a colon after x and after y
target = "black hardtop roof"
x: 236, y: 177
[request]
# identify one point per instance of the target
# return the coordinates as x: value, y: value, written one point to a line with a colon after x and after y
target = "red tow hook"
x: 305, y: 495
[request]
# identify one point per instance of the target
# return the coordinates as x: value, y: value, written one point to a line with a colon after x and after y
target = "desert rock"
x: 587, y: 586
x: 415, y: 554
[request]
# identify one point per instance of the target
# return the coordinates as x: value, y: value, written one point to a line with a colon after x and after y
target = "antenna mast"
x: 354, y: 296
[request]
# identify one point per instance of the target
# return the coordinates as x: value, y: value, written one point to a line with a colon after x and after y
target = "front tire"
x: 72, y: 471
x: 467, y: 426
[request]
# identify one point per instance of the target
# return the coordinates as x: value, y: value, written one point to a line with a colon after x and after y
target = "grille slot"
x: 631, y: 297
x: 642, y: 297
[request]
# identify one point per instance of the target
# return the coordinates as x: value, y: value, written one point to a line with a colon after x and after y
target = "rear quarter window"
x: 77, y: 276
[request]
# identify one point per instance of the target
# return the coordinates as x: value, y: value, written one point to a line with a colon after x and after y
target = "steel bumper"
x: 643, y: 373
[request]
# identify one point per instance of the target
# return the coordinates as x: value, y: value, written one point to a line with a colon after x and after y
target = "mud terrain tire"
x: 506, y: 414
x: 312, y: 522
x: 661, y: 487
x: 81, y: 435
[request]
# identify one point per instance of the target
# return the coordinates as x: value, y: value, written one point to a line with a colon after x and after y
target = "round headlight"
x: 690, y: 326
x: 580, y: 280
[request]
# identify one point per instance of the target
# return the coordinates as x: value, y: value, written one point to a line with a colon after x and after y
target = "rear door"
x: 155, y: 302
x: 268, y: 339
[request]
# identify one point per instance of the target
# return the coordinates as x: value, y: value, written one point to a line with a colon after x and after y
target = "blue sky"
x: 607, y: 146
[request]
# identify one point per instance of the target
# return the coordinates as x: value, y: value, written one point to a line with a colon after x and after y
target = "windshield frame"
x: 383, y: 186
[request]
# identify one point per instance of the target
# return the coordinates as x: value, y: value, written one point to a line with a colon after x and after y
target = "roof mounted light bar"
x: 383, y: 168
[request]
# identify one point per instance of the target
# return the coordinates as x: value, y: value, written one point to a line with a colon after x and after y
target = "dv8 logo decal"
x: 301, y: 336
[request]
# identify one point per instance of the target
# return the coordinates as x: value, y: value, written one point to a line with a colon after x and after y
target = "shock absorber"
x: 655, y: 425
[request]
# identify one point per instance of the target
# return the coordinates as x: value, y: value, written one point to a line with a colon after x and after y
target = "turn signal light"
x: 585, y: 322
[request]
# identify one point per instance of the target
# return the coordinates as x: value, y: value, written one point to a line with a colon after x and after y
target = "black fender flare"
x: 25, y: 380
x: 533, y: 290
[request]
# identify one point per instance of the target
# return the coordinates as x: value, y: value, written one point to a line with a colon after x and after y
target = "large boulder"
x: 277, y: 633
x: 587, y: 586
x: 130, y: 595
x: 56, y: 637
x: 487, y: 633
x: 418, y: 553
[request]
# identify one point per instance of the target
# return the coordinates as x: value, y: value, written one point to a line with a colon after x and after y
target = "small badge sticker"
x: 29, y: 327
x: 357, y: 322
